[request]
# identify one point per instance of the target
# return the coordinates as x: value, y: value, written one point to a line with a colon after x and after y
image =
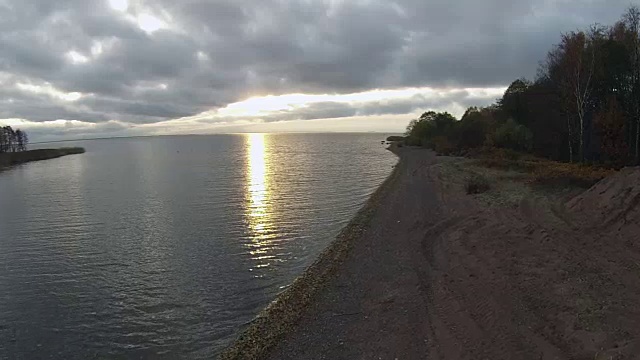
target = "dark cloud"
x: 212, y: 53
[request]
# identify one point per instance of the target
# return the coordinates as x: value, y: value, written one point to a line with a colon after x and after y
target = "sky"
x: 73, y: 69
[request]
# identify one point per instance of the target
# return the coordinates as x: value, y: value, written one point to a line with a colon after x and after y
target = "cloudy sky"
x: 91, y: 68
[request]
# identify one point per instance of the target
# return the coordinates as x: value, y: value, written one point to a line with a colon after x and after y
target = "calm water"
x: 165, y: 247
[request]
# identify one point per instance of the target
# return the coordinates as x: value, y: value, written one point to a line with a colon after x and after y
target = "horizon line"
x: 215, y: 134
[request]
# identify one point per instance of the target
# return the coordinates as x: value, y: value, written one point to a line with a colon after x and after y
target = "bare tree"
x: 25, y: 141
x: 20, y: 145
x: 12, y: 141
x: 579, y: 50
x: 3, y: 140
x: 556, y: 69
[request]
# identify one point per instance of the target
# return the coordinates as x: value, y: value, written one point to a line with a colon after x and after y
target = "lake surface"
x: 164, y: 247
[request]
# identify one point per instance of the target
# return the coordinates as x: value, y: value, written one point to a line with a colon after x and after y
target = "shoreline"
x: 427, y: 270
x: 283, y: 313
x: 8, y: 160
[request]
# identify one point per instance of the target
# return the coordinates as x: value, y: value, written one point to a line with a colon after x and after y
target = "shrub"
x: 443, y: 146
x: 477, y: 184
x: 424, y: 130
x: 471, y: 131
x: 513, y: 136
x: 412, y: 141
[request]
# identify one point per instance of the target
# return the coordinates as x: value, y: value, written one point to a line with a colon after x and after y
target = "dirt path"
x: 376, y: 306
x: 437, y: 274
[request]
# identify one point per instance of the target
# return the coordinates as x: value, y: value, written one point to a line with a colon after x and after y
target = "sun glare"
x: 260, y: 106
x: 258, y: 207
x: 263, y: 105
x: 120, y: 5
x: 257, y: 170
x: 150, y: 23
x: 76, y: 57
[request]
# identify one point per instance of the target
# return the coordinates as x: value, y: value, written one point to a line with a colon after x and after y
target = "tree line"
x: 583, y: 106
x: 12, y: 140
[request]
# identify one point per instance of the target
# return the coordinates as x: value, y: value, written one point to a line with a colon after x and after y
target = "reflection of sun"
x: 258, y: 199
x: 257, y: 178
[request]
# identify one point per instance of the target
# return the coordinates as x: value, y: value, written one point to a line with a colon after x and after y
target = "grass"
x: 477, y: 184
x: 567, y: 174
x: 542, y: 171
x: 499, y: 177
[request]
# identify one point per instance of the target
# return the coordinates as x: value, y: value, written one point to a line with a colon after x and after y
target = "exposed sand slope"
x: 611, y: 205
x: 539, y: 280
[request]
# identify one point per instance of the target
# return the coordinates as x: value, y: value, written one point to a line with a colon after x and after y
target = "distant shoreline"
x: 16, y: 158
x: 215, y: 134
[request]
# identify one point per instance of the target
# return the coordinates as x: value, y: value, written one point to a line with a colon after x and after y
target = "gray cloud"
x: 213, y: 53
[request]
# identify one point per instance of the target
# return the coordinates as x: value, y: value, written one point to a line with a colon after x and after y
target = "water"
x: 165, y: 247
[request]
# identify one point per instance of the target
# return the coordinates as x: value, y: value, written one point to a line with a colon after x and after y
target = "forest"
x: 12, y: 140
x: 583, y: 106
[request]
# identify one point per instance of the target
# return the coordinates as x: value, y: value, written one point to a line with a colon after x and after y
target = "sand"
x: 428, y: 272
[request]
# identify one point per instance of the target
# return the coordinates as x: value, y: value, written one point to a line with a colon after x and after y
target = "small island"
x: 13, y: 149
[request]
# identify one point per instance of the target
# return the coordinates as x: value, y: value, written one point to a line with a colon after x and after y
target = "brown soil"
x: 508, y: 274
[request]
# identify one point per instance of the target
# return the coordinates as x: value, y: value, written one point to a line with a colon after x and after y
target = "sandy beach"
x: 425, y: 271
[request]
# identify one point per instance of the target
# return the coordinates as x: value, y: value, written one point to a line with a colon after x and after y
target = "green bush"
x: 423, y: 131
x: 412, y: 141
x: 470, y: 133
x: 512, y: 135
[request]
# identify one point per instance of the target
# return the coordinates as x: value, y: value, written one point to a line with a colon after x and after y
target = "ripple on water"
x: 165, y: 247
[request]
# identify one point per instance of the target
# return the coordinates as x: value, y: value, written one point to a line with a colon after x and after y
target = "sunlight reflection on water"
x: 258, y: 210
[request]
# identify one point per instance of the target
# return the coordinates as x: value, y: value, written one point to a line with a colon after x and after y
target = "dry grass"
x: 557, y: 173
x: 492, y: 153
x: 542, y: 171
x: 477, y: 184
